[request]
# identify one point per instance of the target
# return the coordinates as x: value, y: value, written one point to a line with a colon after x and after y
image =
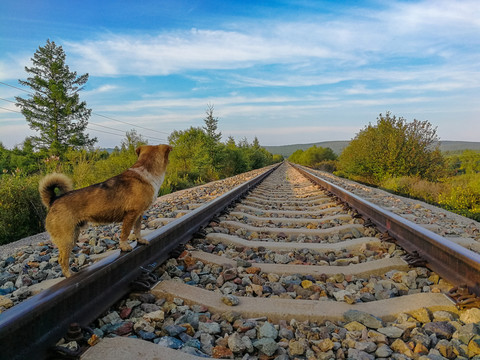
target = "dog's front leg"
x: 127, y: 225
x: 137, y: 231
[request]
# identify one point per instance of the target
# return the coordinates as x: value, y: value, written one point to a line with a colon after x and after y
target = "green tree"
x: 190, y: 157
x: 4, y: 159
x: 20, y: 159
x: 235, y: 161
x: 277, y: 158
x: 133, y: 140
x: 313, y: 156
x: 211, y: 124
x: 214, y: 147
x: 296, y: 157
x: 392, y: 148
x: 257, y: 156
x: 470, y: 162
x: 55, y: 110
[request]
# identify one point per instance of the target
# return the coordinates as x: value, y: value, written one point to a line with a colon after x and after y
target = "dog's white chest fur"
x: 155, y: 181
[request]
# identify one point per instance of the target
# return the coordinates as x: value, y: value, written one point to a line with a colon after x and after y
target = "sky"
x: 284, y: 71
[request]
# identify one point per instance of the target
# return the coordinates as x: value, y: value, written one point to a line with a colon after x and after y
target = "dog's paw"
x: 125, y: 247
x: 143, y: 241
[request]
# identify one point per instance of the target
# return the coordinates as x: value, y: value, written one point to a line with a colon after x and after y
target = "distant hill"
x: 287, y: 150
x: 338, y: 146
x: 458, y: 146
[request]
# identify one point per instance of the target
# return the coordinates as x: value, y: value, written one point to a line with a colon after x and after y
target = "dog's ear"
x: 138, y: 150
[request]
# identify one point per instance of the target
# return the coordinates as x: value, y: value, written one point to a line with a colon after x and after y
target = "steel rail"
x: 29, y: 329
x: 451, y: 261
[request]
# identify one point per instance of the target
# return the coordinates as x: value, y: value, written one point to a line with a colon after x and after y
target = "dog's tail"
x: 49, y: 183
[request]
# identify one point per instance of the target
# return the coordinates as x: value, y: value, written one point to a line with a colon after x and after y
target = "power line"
x: 107, y: 127
x: 111, y: 128
x: 108, y: 132
x: 10, y: 101
x: 10, y: 110
x: 94, y: 113
x: 15, y: 87
x: 92, y: 123
x: 124, y: 122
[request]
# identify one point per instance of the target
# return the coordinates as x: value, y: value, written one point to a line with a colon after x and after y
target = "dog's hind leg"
x: 65, y: 247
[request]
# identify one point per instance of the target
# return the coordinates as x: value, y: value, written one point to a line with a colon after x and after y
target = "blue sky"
x: 285, y: 71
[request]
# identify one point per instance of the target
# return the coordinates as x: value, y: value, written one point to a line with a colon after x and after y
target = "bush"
x: 392, y: 148
x: 415, y: 187
x: 21, y: 210
x: 327, y: 165
x: 462, y: 193
x: 459, y: 194
x: 313, y: 157
x: 92, y: 171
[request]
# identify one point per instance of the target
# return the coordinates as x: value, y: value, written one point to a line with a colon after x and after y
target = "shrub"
x: 459, y: 194
x: 313, y: 157
x: 392, y: 148
x: 415, y: 187
x: 462, y: 193
x: 327, y: 165
x: 21, y: 211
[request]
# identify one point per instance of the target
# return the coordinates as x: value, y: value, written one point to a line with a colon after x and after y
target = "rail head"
x: 33, y: 326
x: 450, y: 260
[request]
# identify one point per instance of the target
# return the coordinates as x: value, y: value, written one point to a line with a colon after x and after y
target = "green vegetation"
x: 198, y: 157
x: 445, y: 146
x: 287, y: 150
x: 458, y: 190
x: 392, y: 148
x: 404, y: 158
x: 315, y: 157
x: 21, y: 211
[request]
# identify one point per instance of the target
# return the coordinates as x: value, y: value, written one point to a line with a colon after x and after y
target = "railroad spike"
x: 145, y: 281
x: 415, y: 259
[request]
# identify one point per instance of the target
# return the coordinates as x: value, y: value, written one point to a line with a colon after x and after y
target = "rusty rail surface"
x: 29, y: 329
x: 451, y: 261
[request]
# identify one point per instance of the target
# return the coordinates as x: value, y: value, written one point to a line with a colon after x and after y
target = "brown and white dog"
x: 121, y: 198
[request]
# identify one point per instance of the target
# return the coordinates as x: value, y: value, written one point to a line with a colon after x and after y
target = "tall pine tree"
x: 211, y: 124
x: 54, y: 110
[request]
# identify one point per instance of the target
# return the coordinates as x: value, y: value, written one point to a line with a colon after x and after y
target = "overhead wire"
x: 1, y: 107
x: 15, y: 87
x: 13, y: 102
x: 103, y: 131
x: 124, y: 122
x: 94, y: 113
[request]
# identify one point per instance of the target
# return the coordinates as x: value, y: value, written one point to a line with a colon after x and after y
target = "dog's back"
x: 108, y: 201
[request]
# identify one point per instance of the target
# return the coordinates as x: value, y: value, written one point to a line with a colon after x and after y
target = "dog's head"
x: 153, y: 157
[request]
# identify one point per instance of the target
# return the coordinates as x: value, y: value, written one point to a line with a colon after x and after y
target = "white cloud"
x: 100, y: 90
x: 13, y: 67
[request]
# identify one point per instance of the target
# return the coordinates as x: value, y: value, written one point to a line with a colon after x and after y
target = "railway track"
x: 290, y: 271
